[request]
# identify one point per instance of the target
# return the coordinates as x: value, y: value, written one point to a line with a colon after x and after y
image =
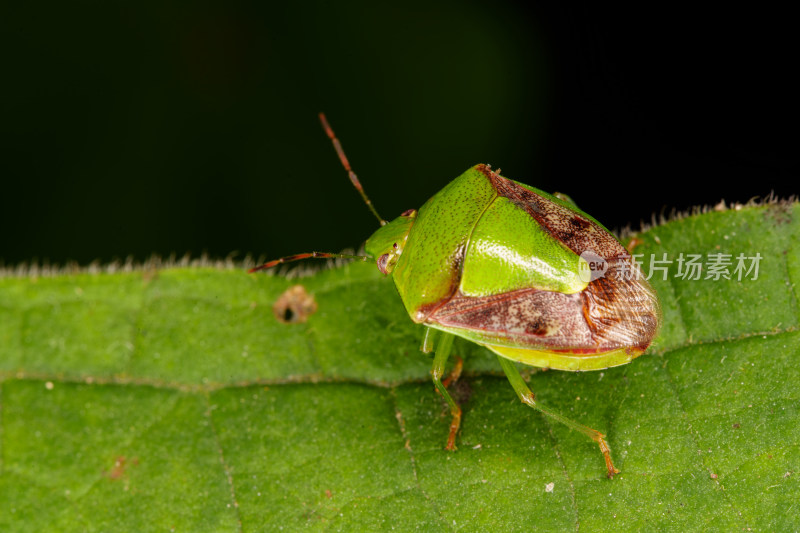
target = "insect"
x: 522, y: 272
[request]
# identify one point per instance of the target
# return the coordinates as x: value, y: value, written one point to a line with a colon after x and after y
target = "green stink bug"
x: 524, y: 273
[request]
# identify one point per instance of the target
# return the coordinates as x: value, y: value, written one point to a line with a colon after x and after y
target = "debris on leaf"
x: 294, y: 306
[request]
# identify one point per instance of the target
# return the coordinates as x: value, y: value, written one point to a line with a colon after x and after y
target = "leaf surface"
x: 175, y: 400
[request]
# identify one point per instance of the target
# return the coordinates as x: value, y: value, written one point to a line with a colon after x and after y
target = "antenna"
x: 357, y: 184
x: 346, y: 164
x: 308, y: 255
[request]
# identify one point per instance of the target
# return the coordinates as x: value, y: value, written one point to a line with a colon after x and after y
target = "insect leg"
x: 528, y: 398
x: 428, y: 341
x: 455, y: 373
x: 437, y: 371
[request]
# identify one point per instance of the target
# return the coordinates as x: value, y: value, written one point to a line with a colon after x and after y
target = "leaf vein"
x: 215, y: 435
x: 407, y: 444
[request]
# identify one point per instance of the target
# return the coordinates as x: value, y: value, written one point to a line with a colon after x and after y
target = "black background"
x: 152, y: 128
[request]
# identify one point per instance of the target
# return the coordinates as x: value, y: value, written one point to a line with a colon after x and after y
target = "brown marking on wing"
x: 528, y: 317
x: 580, y: 223
x: 611, y: 313
x: 578, y: 233
x: 621, y: 307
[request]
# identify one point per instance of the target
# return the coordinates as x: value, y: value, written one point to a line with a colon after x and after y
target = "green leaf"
x: 174, y: 400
